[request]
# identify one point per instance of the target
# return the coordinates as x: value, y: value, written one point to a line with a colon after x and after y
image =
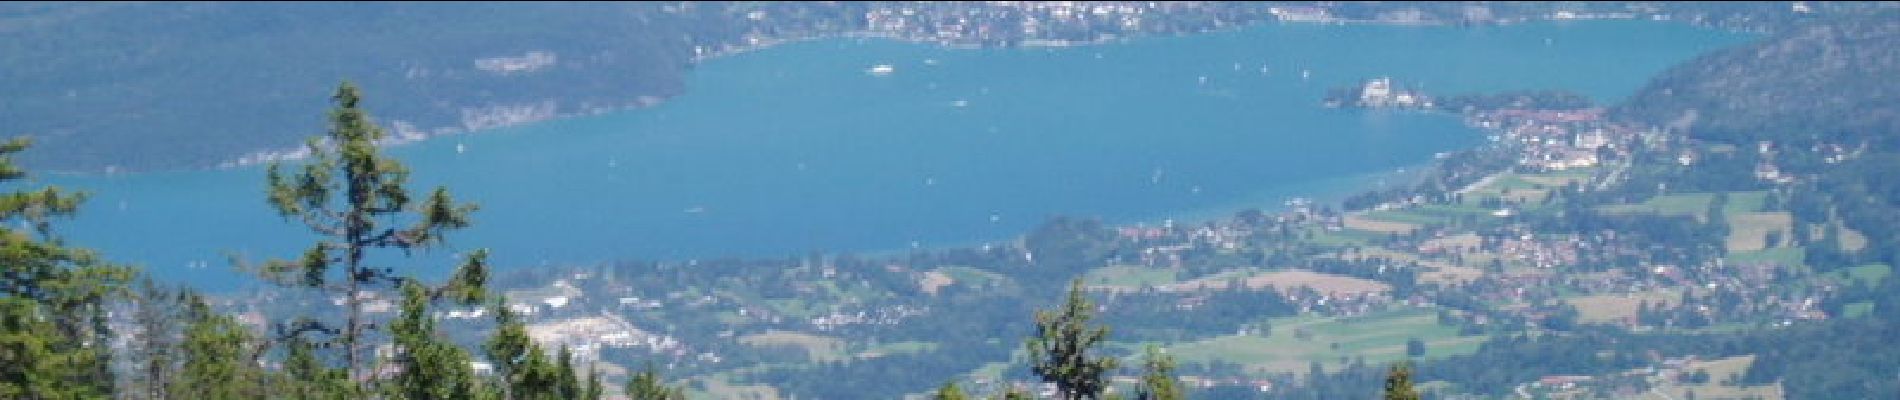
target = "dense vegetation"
x: 53, y: 328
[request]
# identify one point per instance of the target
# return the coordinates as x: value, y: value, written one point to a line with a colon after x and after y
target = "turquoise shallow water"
x: 797, y: 148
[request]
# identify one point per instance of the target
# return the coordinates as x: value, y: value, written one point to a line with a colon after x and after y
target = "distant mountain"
x: 166, y: 85
x: 1833, y: 79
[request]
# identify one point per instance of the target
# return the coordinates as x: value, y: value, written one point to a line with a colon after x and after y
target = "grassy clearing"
x: 1298, y: 341
x: 1694, y: 204
x: 1324, y: 283
x: 897, y: 348
x: 820, y: 348
x: 1282, y: 280
x: 933, y: 280
x: 969, y: 276
x: 1718, y: 370
x: 796, y: 308
x: 1407, y: 217
x: 1748, y: 231
x: 1364, y: 222
x: 1870, y: 274
x: 1345, y: 237
x: 1443, y: 273
x: 1615, y: 307
x: 1745, y: 202
x: 1129, y: 276
x: 1784, y: 255
x: 1857, y: 310
x: 719, y: 386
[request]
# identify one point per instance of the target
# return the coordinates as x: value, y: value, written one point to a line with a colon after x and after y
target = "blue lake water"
x: 797, y: 148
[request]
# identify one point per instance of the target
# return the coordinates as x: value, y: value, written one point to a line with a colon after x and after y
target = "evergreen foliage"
x: 648, y: 385
x: 1060, y: 350
x: 1157, y: 377
x: 218, y: 359
x: 432, y: 368
x: 357, y: 199
x: 949, y: 391
x: 1398, y: 383
x: 53, y: 335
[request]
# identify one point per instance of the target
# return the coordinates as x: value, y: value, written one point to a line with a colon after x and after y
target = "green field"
x: 1870, y: 274
x: 1378, y: 337
x: 1129, y: 276
x: 1674, y: 204
x: 1785, y: 255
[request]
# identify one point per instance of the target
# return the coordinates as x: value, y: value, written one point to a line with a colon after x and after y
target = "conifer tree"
x: 357, y: 200
x: 949, y: 391
x: 1398, y: 383
x: 1060, y: 350
x: 568, y: 384
x: 53, y: 333
x: 307, y: 378
x: 152, y: 358
x: 594, y: 389
x: 431, y: 367
x: 647, y: 385
x: 523, y: 369
x: 217, y: 355
x: 1157, y: 378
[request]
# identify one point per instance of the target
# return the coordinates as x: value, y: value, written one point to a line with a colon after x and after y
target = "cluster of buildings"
x: 1380, y: 93
x: 1557, y: 140
x: 883, y: 315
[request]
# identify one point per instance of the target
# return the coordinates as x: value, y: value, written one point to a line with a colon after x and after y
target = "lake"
x: 799, y: 148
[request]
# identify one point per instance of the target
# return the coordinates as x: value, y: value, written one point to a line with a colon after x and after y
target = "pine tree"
x: 357, y: 199
x: 53, y: 334
x: 594, y: 389
x: 1398, y: 383
x: 305, y: 377
x: 1059, y: 352
x: 432, y: 368
x: 218, y: 356
x: 152, y: 356
x: 949, y: 391
x: 538, y: 379
x: 647, y: 385
x: 1157, y: 377
x: 568, y: 383
x: 523, y: 368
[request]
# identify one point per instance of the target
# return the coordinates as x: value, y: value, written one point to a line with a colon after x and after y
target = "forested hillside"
x: 1832, y: 80
x: 135, y: 84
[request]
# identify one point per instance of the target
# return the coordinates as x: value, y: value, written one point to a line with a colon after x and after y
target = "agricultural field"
x: 1749, y: 231
x: 820, y: 348
x: 1127, y: 276
x: 1295, y: 342
x: 1608, y: 308
x: 1282, y: 280
x: 1718, y: 370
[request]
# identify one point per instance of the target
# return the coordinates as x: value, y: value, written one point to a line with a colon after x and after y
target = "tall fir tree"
x: 53, y: 333
x: 1398, y: 383
x: 648, y: 385
x: 568, y: 383
x: 520, y: 365
x: 594, y: 389
x: 431, y: 367
x: 1157, y: 377
x: 218, y: 355
x: 1060, y: 350
x: 305, y: 377
x: 152, y: 353
x: 357, y: 199
x: 949, y: 391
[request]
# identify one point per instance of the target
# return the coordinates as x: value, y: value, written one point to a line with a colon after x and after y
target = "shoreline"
x: 401, y: 132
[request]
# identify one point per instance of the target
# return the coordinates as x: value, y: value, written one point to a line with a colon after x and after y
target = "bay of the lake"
x: 801, y: 148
